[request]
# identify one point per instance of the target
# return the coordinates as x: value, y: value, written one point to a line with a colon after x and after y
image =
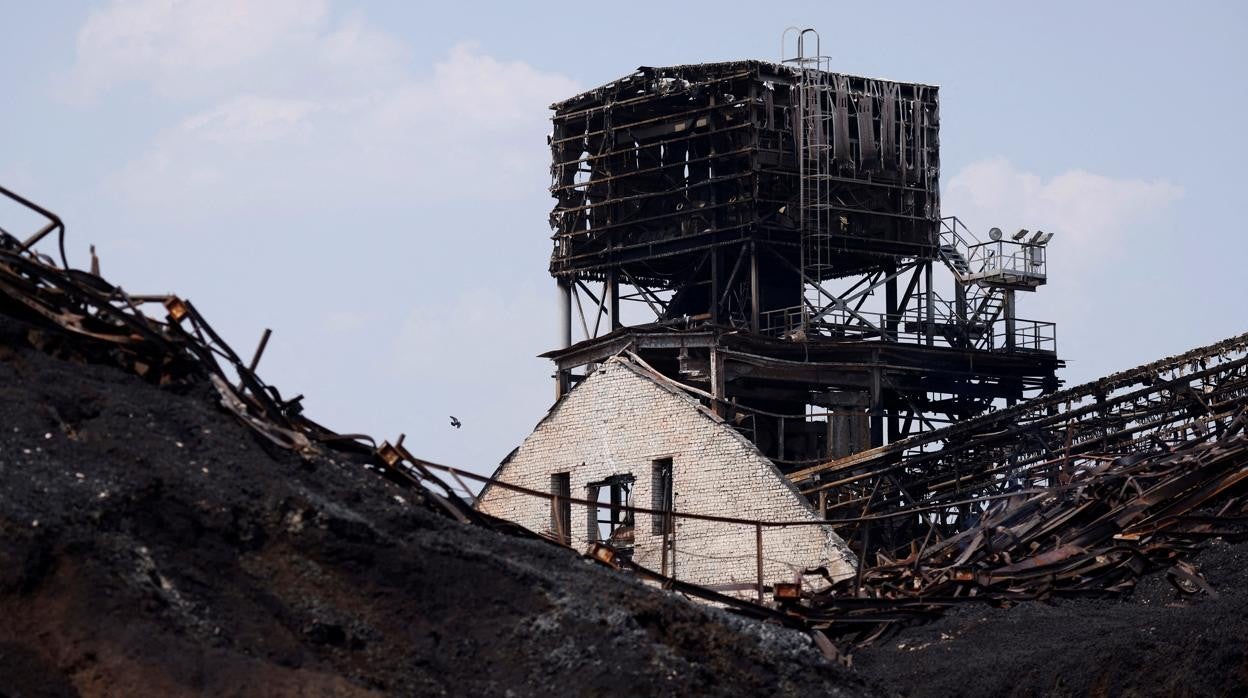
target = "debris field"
x: 170, y: 524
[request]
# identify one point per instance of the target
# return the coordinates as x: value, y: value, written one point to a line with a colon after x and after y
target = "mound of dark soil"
x: 1155, y: 642
x: 151, y: 545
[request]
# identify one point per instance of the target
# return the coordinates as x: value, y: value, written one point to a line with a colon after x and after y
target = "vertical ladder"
x: 814, y: 158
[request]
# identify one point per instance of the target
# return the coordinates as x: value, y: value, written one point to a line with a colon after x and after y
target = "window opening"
x: 561, y: 507
x: 661, y: 496
x: 611, y: 520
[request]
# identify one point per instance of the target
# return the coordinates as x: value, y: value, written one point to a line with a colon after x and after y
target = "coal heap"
x: 1156, y: 642
x: 150, y: 544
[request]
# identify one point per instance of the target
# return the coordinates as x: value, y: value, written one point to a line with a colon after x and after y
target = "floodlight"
x: 994, y: 233
x: 1035, y: 239
x: 1022, y: 233
x: 1044, y: 240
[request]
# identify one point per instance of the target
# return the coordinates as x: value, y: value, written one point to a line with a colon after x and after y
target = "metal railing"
x: 1029, y: 335
x: 912, y: 326
x: 996, y: 261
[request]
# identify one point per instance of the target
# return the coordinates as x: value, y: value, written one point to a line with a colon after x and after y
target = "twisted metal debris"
x: 1097, y: 534
x: 1080, y: 492
x: 77, y: 314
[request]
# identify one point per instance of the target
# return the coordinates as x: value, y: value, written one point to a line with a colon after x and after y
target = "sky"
x: 369, y: 179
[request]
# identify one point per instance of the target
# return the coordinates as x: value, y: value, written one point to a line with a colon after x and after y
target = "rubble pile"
x: 1096, y: 535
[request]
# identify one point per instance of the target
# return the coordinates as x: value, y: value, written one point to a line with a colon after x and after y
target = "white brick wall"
x: 617, y: 421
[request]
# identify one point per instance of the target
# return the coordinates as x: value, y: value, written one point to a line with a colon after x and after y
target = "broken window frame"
x: 620, y: 513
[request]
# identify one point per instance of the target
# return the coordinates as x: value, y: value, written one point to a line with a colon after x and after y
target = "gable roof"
x: 638, y: 367
x: 621, y: 360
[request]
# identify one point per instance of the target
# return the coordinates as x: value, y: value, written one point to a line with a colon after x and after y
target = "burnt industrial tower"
x: 770, y: 236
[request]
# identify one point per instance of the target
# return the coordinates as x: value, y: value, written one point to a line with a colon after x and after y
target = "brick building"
x: 626, y: 436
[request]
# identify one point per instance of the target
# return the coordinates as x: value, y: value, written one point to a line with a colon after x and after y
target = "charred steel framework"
x: 1040, y: 445
x: 770, y: 234
x: 758, y: 212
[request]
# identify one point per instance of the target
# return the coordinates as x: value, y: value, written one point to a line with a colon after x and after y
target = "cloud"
x: 477, y: 124
x: 184, y: 47
x: 388, y: 220
x: 1088, y: 213
x: 290, y: 82
x: 472, y: 127
x: 1114, y: 238
x: 251, y: 120
x: 471, y: 90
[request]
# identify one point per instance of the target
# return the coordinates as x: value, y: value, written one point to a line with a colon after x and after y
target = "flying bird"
x: 455, y: 422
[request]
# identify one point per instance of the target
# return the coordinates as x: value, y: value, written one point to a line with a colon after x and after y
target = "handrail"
x: 1005, y: 258
x: 911, y: 327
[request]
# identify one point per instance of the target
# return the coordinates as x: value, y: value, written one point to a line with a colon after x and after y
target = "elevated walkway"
x: 1018, y: 264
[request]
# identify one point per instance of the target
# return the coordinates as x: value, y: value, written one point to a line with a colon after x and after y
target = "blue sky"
x: 368, y: 179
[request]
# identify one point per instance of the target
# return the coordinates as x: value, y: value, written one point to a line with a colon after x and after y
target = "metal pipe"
x: 1009, y: 320
x: 565, y: 314
x: 754, y: 290
x: 612, y: 296
x: 931, y: 305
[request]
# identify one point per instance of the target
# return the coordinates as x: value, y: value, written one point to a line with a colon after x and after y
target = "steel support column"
x: 613, y: 298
